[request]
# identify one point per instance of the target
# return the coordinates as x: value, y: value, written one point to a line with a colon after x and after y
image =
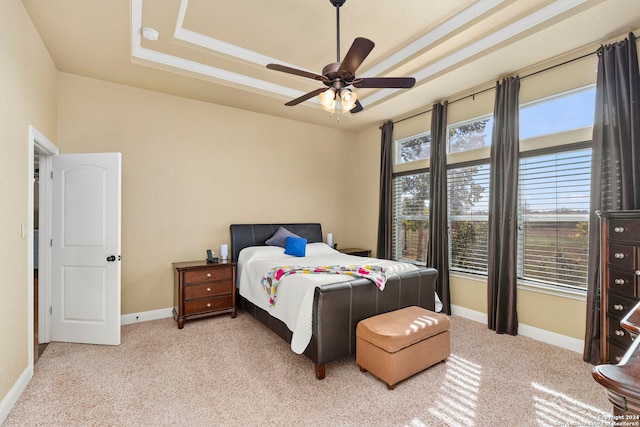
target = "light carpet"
x: 234, y: 372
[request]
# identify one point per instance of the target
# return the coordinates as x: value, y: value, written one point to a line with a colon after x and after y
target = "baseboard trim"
x: 537, y: 334
x: 145, y: 316
x: 10, y: 399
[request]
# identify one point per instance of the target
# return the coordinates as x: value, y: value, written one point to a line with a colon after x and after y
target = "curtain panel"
x: 438, y: 245
x: 503, y: 209
x: 615, y: 162
x: 385, y: 213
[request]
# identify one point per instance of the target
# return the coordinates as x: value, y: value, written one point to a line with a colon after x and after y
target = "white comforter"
x: 295, y: 293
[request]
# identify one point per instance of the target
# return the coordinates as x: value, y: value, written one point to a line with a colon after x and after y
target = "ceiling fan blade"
x: 305, y: 97
x: 385, y: 82
x: 295, y: 71
x: 357, y: 108
x: 357, y: 53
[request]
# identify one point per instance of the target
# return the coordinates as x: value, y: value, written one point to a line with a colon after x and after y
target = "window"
x: 411, y: 217
x: 553, y: 217
x: 468, y: 191
x: 470, y: 135
x: 561, y: 113
x: 417, y: 147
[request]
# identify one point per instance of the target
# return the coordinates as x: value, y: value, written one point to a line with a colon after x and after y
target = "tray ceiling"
x: 216, y: 51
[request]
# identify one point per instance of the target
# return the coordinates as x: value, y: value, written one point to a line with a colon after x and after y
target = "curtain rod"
x: 473, y: 95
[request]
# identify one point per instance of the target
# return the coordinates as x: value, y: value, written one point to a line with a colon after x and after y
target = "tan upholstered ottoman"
x: 396, y: 345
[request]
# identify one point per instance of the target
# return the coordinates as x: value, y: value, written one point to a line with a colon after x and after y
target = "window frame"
x: 411, y: 164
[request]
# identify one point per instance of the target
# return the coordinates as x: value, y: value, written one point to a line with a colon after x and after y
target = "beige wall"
x: 190, y: 169
x: 27, y: 96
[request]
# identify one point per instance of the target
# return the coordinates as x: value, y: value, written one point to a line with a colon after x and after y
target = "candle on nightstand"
x: 224, y: 252
x: 330, y: 239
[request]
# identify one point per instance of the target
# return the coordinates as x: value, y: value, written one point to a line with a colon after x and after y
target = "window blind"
x: 411, y: 217
x: 553, y: 217
x: 468, y: 192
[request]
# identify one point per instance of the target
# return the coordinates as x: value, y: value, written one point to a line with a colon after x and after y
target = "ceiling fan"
x: 338, y: 75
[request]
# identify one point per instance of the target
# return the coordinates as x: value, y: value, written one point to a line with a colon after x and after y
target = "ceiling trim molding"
x: 538, y: 17
x: 165, y: 61
x: 149, y: 57
x: 448, y: 26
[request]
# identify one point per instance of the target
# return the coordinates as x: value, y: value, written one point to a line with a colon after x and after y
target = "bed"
x: 331, y: 305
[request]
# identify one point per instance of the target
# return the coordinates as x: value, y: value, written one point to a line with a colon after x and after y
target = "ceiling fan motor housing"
x: 335, y: 76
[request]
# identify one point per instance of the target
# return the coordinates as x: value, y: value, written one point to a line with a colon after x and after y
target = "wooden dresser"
x: 620, y: 271
x: 622, y: 381
x: 203, y: 289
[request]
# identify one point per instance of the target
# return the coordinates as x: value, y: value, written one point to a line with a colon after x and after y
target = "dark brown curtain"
x: 503, y: 206
x: 615, y: 164
x: 438, y: 247
x: 385, y: 215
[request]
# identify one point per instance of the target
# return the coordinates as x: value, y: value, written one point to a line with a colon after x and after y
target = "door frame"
x: 39, y: 143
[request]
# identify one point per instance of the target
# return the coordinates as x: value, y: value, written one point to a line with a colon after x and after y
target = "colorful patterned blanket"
x: 275, y: 275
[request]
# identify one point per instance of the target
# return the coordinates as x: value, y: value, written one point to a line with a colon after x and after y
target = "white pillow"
x: 320, y: 248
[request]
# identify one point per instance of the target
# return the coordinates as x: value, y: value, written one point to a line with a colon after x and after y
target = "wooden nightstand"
x: 356, y: 251
x: 203, y: 289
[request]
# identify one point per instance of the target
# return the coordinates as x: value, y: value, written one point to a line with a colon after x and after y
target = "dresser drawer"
x: 624, y: 230
x: 622, y: 256
x: 205, y: 274
x: 615, y: 352
x: 619, y: 335
x: 208, y: 289
x: 622, y: 282
x: 209, y: 304
x: 618, y: 306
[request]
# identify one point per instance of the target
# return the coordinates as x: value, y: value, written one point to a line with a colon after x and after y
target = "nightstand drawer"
x: 208, y: 289
x: 356, y: 252
x: 195, y: 276
x: 206, y: 305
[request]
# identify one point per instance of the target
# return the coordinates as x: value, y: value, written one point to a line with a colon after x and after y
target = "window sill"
x: 525, y: 285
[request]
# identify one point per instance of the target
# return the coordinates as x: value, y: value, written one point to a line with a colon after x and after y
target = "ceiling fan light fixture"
x: 328, y: 99
x: 348, y: 99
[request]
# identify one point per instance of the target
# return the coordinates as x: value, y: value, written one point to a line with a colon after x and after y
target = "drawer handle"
x: 208, y: 274
x: 618, y: 255
x: 208, y: 289
x: 619, y: 333
x: 618, y: 307
x: 619, y: 229
x: 208, y: 304
x: 619, y: 281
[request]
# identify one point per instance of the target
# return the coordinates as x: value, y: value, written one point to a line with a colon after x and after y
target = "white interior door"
x: 85, y: 248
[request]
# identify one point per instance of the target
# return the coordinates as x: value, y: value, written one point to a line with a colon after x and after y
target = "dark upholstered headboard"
x: 244, y: 235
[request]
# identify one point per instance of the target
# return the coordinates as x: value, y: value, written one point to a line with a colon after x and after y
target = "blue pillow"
x: 279, y: 238
x: 296, y: 246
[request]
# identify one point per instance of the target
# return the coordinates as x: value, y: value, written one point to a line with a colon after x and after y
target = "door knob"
x: 111, y: 258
